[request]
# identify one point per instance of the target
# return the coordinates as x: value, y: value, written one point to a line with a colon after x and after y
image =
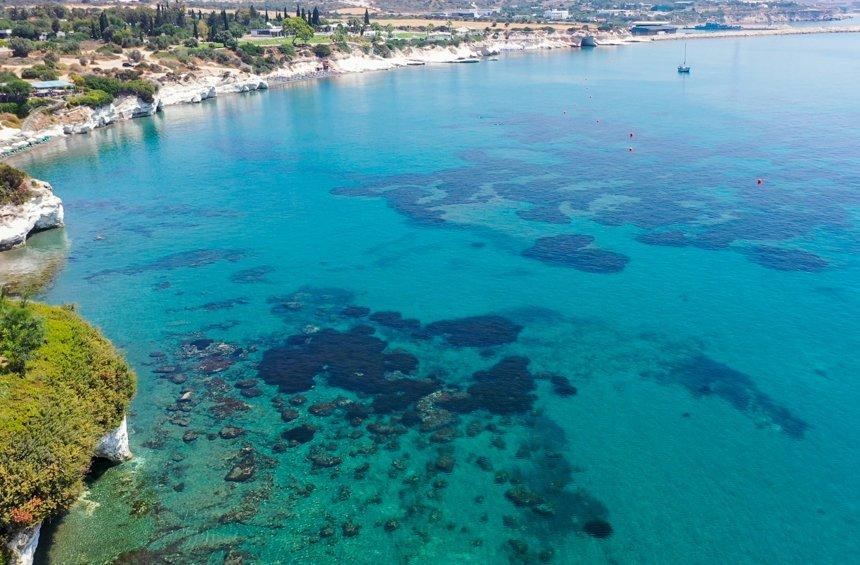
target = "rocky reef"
x: 43, y: 210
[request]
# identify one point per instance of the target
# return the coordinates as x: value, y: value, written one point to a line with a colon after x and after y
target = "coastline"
x: 200, y: 117
x: 210, y: 82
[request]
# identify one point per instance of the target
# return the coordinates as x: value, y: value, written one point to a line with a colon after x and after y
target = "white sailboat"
x: 683, y: 68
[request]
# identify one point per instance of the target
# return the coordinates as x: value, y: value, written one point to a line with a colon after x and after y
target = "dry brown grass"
x: 8, y: 120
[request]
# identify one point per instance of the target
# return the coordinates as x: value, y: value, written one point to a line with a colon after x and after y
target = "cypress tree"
x: 103, y: 23
x: 303, y: 14
x: 224, y: 20
x: 366, y: 17
x: 196, y: 33
x: 94, y: 30
x: 315, y: 19
x: 298, y: 13
x: 212, y: 22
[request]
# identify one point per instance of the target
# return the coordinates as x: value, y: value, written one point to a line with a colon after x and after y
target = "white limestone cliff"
x: 42, y: 211
x: 113, y: 446
x: 84, y: 120
x: 22, y: 547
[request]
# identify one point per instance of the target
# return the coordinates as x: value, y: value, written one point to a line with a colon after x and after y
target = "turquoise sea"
x: 533, y: 310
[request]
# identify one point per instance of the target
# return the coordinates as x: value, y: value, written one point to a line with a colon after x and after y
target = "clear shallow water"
x: 710, y: 327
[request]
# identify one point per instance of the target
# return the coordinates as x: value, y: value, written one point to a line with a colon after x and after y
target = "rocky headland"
x: 39, y: 210
x: 65, y: 392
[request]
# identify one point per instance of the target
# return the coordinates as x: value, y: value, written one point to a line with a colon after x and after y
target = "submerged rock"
x: 230, y: 432
x: 523, y: 496
x: 391, y: 525
x: 350, y: 529
x: 575, y: 250
x: 561, y: 386
x: 300, y: 434
x: 444, y: 463
x: 598, y: 528
x: 505, y: 388
x: 476, y: 331
x: 321, y: 459
x: 240, y: 473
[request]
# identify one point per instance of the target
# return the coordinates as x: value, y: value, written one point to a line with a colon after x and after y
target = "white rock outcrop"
x: 85, y: 120
x: 191, y: 89
x: 42, y: 211
x: 113, y: 446
x: 22, y: 547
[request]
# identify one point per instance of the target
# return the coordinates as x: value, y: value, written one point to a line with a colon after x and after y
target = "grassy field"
x: 270, y: 41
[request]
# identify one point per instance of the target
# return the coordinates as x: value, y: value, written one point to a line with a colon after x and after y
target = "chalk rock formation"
x: 42, y: 211
x: 22, y: 546
x: 113, y: 446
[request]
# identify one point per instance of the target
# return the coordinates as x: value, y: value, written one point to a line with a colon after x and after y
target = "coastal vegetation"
x: 126, y: 48
x: 62, y: 386
x: 13, y: 188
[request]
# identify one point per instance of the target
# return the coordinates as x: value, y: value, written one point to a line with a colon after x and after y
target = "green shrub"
x: 41, y: 72
x: 106, y: 84
x: 15, y: 90
x: 20, y: 47
x: 382, y: 50
x: 287, y: 51
x: 322, y: 50
x: 73, y: 389
x: 250, y: 49
x: 143, y: 89
x: 109, y: 49
x: 12, y: 190
x: 92, y: 98
x: 33, y: 103
x: 21, y: 332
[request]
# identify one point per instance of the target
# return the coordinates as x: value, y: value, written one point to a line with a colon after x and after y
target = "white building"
x: 556, y: 14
